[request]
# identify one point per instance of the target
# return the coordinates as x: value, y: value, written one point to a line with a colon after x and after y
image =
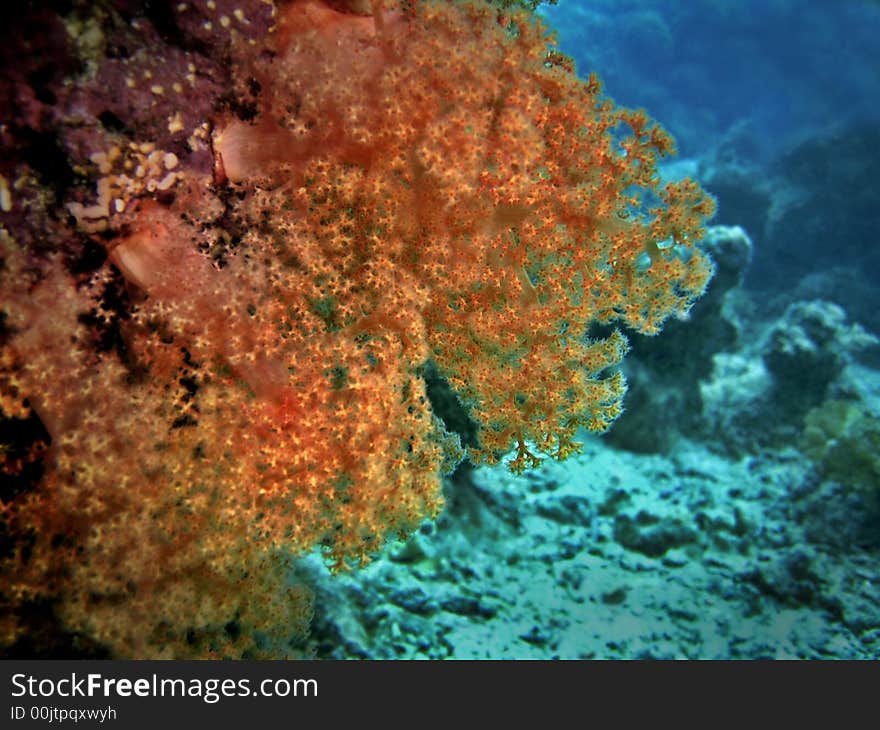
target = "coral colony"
x: 221, y: 339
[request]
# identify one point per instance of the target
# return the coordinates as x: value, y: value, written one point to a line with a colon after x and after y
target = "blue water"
x: 777, y: 71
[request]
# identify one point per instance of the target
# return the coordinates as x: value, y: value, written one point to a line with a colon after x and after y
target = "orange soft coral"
x: 424, y: 182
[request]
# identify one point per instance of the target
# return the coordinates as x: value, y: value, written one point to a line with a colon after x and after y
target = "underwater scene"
x: 440, y: 329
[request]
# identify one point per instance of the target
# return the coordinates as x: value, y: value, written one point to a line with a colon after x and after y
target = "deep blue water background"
x: 775, y: 71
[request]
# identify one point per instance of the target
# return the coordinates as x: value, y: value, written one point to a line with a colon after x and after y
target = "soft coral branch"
x: 421, y: 183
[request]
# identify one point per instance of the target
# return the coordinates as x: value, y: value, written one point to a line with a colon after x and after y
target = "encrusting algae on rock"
x: 395, y: 184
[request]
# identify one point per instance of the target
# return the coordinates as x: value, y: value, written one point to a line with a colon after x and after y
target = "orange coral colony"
x: 424, y: 182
